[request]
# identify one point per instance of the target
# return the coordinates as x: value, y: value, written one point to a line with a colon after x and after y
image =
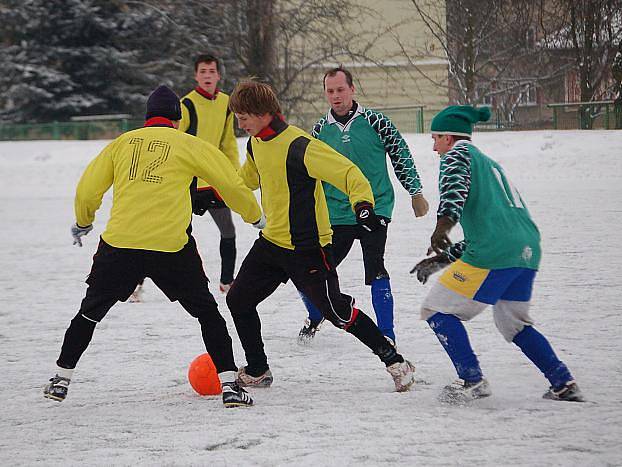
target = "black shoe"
x: 57, y: 388
x: 234, y: 396
x: 570, y: 392
x: 307, y: 333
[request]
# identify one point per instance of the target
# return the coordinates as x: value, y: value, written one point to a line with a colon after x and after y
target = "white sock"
x: 64, y: 372
x: 227, y: 377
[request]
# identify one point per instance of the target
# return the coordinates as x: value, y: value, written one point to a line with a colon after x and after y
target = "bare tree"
x: 469, y: 32
x: 589, y: 31
x: 616, y: 71
x: 290, y: 43
x: 500, y: 52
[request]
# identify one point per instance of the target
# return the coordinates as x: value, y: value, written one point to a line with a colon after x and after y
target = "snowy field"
x: 332, y: 403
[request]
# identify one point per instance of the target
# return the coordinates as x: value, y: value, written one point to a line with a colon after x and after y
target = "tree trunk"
x: 261, y: 52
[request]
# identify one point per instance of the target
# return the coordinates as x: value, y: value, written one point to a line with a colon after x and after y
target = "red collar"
x: 276, y: 126
x: 159, y: 121
x: 206, y: 94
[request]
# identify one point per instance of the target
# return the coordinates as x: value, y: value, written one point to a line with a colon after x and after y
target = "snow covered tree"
x: 82, y: 57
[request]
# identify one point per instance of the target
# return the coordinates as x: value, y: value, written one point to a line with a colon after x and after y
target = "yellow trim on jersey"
x: 214, y: 125
x: 151, y: 170
x: 463, y: 278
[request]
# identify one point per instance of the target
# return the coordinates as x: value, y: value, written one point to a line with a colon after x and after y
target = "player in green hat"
x: 495, y: 264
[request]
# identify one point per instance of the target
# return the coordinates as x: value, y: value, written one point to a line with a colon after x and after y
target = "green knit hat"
x: 459, y: 120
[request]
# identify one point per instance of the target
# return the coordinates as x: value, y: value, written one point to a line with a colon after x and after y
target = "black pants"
x: 224, y: 222
x: 373, y: 245
x: 180, y: 275
x: 312, y: 271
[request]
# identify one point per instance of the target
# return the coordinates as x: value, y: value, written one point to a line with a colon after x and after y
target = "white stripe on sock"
x: 227, y: 377
x: 64, y: 372
x: 88, y: 319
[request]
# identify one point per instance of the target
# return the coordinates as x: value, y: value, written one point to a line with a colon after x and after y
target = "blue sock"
x: 453, y: 337
x: 382, y: 301
x: 315, y: 314
x: 537, y: 349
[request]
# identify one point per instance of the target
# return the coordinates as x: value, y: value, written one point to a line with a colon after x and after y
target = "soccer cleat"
x: 137, y: 295
x: 461, y: 392
x: 262, y: 381
x: 307, y: 333
x: 234, y: 396
x: 403, y: 374
x: 57, y: 388
x: 224, y: 288
x: 570, y: 392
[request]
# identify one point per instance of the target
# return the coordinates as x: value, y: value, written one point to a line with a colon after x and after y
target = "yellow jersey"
x: 208, y: 117
x: 289, y: 165
x: 150, y: 170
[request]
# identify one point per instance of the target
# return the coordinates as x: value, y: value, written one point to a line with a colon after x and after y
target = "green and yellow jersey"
x: 208, y: 117
x: 150, y: 170
x: 289, y: 165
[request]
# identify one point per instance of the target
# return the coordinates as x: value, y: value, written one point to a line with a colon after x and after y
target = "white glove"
x: 77, y: 232
x: 261, y: 223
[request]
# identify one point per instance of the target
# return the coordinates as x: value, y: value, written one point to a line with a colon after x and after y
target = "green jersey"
x: 366, y: 139
x: 498, y: 230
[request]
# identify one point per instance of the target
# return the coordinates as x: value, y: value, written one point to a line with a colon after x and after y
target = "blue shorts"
x: 489, y: 285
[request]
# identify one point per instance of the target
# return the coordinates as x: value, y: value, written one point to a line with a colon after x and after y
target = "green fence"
x: 101, y: 129
x: 586, y: 115
x: 407, y: 118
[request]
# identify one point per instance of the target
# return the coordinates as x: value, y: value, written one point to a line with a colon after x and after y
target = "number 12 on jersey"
x: 147, y: 174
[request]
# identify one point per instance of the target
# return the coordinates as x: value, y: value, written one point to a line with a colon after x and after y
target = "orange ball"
x: 203, y: 376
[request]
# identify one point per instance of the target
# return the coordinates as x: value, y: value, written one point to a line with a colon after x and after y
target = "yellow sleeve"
x: 326, y: 164
x: 184, y: 123
x: 95, y: 181
x: 214, y: 167
x: 249, y: 173
x: 228, y: 143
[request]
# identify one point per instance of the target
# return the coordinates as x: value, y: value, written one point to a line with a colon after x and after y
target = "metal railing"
x: 81, y: 130
x: 407, y: 118
x: 587, y: 115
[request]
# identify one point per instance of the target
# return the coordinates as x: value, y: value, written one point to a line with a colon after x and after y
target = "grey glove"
x: 429, y: 266
x: 261, y: 223
x: 78, y: 232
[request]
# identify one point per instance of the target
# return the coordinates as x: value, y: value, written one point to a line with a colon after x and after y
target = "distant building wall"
x: 392, y: 79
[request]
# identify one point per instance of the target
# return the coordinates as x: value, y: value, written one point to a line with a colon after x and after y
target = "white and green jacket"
x: 499, y: 232
x: 366, y: 139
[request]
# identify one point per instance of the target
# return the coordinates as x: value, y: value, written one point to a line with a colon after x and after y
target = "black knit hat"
x: 163, y: 102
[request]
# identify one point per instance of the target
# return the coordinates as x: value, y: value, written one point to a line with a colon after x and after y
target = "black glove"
x: 206, y: 199
x: 366, y: 217
x: 429, y: 266
x: 440, y: 241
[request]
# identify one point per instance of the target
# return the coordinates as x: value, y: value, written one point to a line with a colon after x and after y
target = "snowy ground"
x: 332, y: 403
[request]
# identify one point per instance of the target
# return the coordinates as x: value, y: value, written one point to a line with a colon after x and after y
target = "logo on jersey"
x: 459, y: 276
x: 345, y: 137
x: 527, y: 253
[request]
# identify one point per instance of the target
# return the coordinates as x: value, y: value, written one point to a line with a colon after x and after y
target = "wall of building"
x: 392, y: 78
